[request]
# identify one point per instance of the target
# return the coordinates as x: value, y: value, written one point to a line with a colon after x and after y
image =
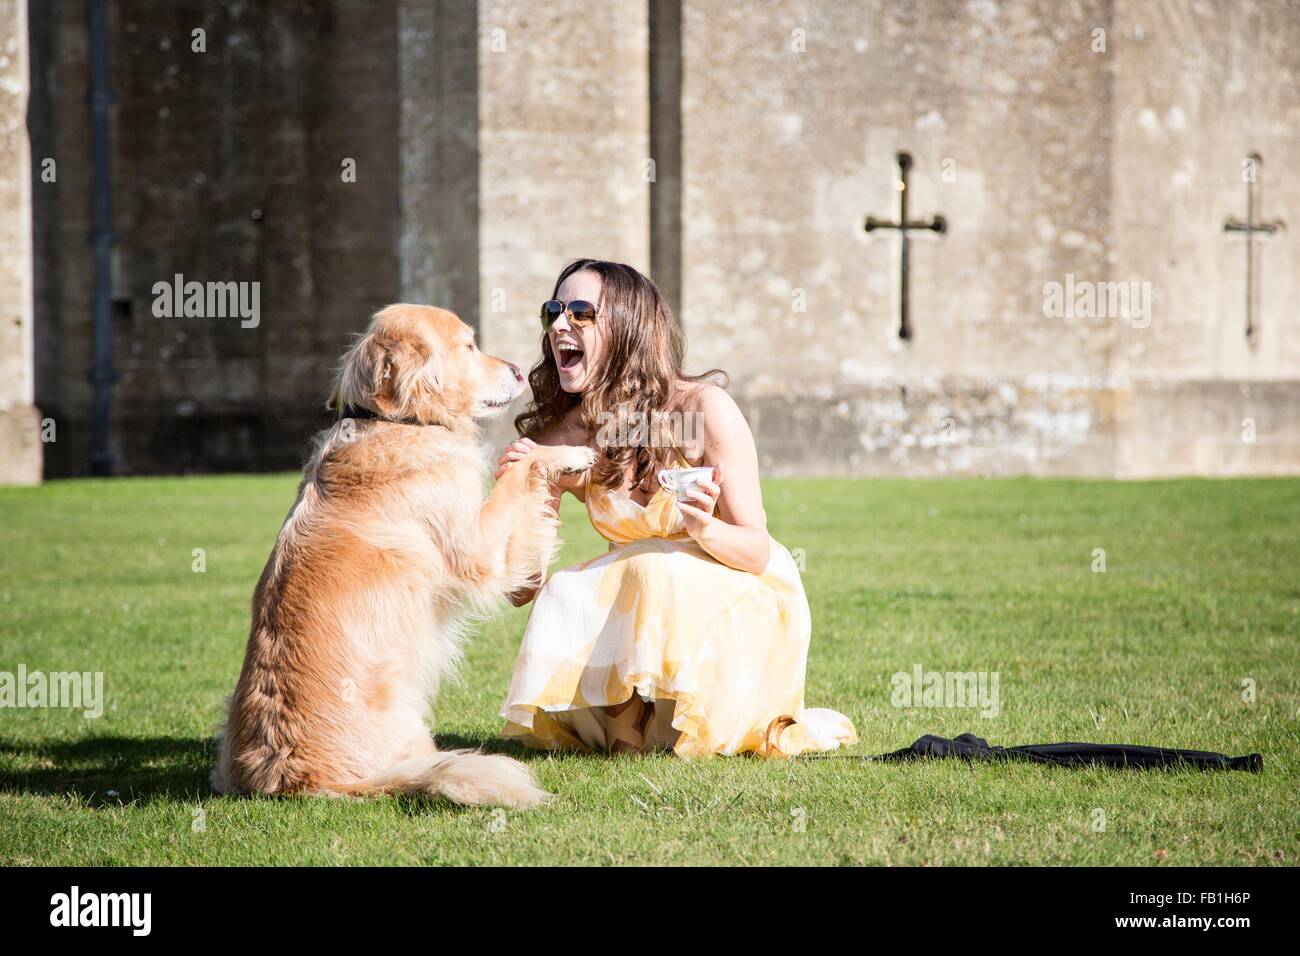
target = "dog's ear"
x: 431, y: 368
x: 367, y: 377
x: 382, y: 374
x: 396, y: 376
x: 409, y: 378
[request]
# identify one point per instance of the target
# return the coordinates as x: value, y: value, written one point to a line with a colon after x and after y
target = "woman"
x: 691, y: 633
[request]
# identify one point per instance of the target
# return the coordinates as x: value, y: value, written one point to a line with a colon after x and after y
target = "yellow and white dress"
x: 656, y: 645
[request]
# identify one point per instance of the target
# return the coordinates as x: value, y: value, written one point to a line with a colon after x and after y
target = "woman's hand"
x: 516, y: 450
x: 698, y: 515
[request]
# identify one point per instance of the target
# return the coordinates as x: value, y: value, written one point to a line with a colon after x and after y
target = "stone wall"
x: 564, y: 138
x: 20, y: 444
x: 1051, y: 156
x: 227, y: 166
x: 1095, y: 142
x: 492, y: 142
x: 1197, y: 88
x: 439, y: 143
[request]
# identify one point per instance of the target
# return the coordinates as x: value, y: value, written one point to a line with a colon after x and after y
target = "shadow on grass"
x: 110, y: 771
x: 512, y: 748
x: 490, y: 744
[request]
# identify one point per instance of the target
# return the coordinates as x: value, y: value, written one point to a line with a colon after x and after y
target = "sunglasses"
x: 581, y: 312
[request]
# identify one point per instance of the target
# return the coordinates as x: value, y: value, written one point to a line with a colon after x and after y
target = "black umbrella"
x: 970, y: 747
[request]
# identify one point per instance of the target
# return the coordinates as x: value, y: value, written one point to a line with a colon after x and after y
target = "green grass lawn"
x: 1201, y: 592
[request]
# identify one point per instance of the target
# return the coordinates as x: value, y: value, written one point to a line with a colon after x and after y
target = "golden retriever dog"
x: 388, y: 552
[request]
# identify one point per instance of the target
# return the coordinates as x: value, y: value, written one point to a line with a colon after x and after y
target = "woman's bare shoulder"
x: 713, y: 409
x: 709, y: 396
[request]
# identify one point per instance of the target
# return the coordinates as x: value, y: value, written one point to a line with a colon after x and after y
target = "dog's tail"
x: 467, y: 777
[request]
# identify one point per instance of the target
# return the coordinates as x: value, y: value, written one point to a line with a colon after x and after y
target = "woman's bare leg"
x: 625, y: 725
x: 660, y: 733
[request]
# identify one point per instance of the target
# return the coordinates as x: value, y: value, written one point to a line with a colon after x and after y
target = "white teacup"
x: 683, y: 482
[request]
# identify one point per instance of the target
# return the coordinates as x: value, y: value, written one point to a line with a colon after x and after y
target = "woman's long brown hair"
x: 637, y: 378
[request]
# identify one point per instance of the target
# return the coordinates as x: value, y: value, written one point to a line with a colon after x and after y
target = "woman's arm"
x: 737, y: 534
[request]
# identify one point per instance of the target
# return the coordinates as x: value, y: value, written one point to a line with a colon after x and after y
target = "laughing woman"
x: 691, y: 633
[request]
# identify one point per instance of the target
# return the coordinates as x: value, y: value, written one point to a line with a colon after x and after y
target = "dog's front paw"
x: 565, y: 459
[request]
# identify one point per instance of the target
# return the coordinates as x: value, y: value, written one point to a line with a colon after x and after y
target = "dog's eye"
x: 470, y: 346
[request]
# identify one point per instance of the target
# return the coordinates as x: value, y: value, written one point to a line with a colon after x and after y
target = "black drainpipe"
x: 102, y: 237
